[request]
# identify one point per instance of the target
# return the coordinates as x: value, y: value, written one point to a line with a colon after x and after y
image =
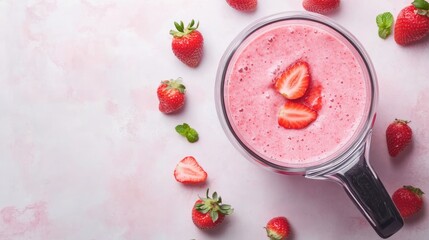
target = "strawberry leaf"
x: 199, y: 205
x: 205, y: 210
x: 384, y: 23
x: 214, y: 215
x: 415, y: 190
x: 421, y: 4
x: 214, y: 195
x: 225, y: 206
x: 181, y: 30
x: 178, y: 27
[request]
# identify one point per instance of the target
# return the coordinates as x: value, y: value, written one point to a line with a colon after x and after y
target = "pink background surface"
x: 87, y: 155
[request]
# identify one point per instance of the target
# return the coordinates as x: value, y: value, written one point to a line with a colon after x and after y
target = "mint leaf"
x: 383, y: 32
x: 192, y: 135
x: 421, y: 4
x: 183, y: 129
x: 379, y: 20
x: 384, y: 23
x: 188, y: 132
x: 384, y: 20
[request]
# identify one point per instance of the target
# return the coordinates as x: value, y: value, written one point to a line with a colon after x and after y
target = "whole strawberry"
x: 243, y: 5
x: 278, y: 228
x: 321, y: 6
x: 187, y: 43
x: 208, y: 213
x: 408, y: 200
x: 412, y: 23
x: 398, y: 136
x: 171, y: 95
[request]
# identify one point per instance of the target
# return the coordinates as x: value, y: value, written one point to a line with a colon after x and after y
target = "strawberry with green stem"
x: 412, y: 23
x: 278, y: 228
x: 408, y: 200
x: 171, y: 95
x: 187, y: 43
x: 209, y: 212
x: 398, y: 136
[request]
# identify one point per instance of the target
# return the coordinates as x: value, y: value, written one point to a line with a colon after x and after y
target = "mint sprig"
x: 188, y: 132
x: 384, y: 23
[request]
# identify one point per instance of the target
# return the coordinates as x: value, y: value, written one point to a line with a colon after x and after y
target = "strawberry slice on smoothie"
x: 313, y: 97
x: 294, y: 115
x: 294, y: 81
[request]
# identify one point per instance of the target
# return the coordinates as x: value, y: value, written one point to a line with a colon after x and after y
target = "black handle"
x: 368, y: 193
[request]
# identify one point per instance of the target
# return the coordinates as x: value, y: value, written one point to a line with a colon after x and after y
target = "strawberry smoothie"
x: 252, y: 103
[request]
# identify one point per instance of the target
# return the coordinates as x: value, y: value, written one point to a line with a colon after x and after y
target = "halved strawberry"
x: 313, y: 97
x: 294, y: 115
x: 294, y: 81
x: 188, y: 171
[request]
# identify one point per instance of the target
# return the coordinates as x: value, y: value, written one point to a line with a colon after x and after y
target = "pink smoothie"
x: 252, y: 102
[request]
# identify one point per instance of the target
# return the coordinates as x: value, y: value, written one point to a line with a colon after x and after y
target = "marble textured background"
x: 87, y: 155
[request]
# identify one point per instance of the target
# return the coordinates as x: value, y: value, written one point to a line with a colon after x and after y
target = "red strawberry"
x: 294, y: 115
x: 187, y: 43
x: 321, y: 6
x: 171, y: 95
x: 208, y: 213
x: 408, y: 200
x: 188, y: 171
x: 294, y: 81
x: 313, y: 98
x: 398, y: 136
x: 278, y: 228
x: 243, y: 5
x: 412, y: 24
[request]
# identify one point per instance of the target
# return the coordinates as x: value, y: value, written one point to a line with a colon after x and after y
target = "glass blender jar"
x: 348, y: 164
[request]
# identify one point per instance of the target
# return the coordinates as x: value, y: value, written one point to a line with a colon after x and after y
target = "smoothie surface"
x: 252, y: 103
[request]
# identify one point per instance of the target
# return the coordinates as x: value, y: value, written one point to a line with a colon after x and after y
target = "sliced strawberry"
x: 188, y: 171
x: 313, y: 98
x: 294, y: 115
x: 294, y: 81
